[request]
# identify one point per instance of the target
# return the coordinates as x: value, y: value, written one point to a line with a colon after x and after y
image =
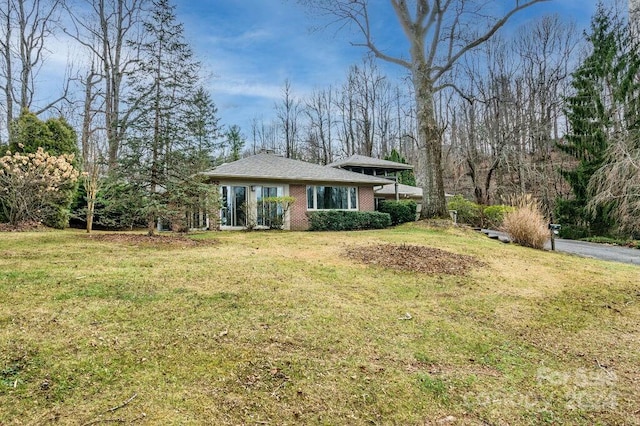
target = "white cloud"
x: 256, y: 35
x: 246, y: 87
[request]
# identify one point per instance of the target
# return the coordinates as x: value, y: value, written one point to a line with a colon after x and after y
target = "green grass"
x: 281, y: 328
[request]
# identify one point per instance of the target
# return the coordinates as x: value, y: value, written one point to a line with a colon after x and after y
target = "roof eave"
x: 247, y: 178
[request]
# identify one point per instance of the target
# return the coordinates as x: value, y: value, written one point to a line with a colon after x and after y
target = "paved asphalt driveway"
x: 582, y: 248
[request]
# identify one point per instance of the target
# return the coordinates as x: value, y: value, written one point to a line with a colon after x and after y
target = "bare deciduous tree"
x: 24, y: 31
x: 288, y: 111
x: 618, y: 182
x: 7, y: 58
x: 346, y: 108
x: 439, y: 33
x: 92, y: 149
x: 545, y: 50
x: 319, y: 111
x: 367, y: 108
x: 106, y: 32
x: 508, y: 116
x: 264, y: 135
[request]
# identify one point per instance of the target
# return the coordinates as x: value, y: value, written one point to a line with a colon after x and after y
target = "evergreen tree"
x: 156, y: 154
x: 605, y: 87
x: 235, y: 141
x: 204, y: 129
x: 405, y: 177
x: 54, y: 136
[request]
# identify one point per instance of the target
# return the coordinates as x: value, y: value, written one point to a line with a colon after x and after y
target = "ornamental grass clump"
x: 526, y: 224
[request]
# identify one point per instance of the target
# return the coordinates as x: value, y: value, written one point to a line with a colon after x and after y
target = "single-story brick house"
x: 245, y: 182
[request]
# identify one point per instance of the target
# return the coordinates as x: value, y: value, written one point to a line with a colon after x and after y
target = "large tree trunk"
x: 430, y: 147
x: 439, y: 34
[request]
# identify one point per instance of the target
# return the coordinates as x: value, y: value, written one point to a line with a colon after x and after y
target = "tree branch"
x: 486, y: 36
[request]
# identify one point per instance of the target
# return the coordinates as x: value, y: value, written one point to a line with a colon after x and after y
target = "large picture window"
x: 332, y: 198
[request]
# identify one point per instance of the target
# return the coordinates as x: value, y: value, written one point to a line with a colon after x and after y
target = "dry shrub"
x: 526, y: 225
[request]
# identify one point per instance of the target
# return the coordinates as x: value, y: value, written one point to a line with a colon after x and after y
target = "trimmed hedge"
x: 400, y: 211
x: 343, y: 220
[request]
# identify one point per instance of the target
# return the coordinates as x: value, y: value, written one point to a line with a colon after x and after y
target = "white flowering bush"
x: 33, y: 184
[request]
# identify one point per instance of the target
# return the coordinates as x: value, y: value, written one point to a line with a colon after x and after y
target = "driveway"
x: 585, y: 249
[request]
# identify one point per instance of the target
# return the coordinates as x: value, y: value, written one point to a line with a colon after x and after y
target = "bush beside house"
x: 400, y: 211
x: 342, y: 220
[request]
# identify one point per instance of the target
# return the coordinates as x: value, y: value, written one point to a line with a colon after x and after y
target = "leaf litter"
x: 414, y: 258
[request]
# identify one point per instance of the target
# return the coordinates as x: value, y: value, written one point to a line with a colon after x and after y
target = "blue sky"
x: 250, y: 47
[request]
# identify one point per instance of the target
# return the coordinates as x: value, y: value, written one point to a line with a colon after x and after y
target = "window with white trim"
x: 332, y: 197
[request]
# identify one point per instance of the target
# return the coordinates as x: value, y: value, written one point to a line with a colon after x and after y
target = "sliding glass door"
x: 234, y: 201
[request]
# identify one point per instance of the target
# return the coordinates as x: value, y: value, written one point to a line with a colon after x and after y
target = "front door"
x: 234, y: 200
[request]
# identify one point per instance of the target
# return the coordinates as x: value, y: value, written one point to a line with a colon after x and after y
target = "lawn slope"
x: 286, y: 328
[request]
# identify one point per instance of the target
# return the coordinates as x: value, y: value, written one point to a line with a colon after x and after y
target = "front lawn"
x: 295, y: 328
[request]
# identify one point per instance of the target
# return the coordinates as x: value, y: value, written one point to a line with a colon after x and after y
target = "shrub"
x: 573, y: 232
x: 37, y: 187
x: 400, y: 211
x: 526, y: 225
x: 494, y: 215
x: 341, y: 220
x: 275, y: 209
x: 468, y: 211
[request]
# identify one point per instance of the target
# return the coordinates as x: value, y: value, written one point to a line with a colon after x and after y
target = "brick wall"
x: 366, y: 199
x: 298, y: 220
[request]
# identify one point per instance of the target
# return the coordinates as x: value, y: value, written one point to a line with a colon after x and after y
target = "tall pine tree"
x: 603, y: 92
x: 204, y: 131
x: 155, y: 153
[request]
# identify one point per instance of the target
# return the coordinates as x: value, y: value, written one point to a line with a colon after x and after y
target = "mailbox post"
x: 554, y: 229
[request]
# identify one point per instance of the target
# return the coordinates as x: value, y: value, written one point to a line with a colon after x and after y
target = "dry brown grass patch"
x: 414, y: 258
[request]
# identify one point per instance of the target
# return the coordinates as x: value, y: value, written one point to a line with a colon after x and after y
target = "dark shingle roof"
x: 371, y: 163
x: 275, y: 168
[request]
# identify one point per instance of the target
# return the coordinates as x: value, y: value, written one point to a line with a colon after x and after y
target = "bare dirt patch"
x: 152, y: 240
x: 414, y: 258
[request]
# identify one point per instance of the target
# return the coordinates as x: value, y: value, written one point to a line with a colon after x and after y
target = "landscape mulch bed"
x: 152, y: 240
x: 414, y: 258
